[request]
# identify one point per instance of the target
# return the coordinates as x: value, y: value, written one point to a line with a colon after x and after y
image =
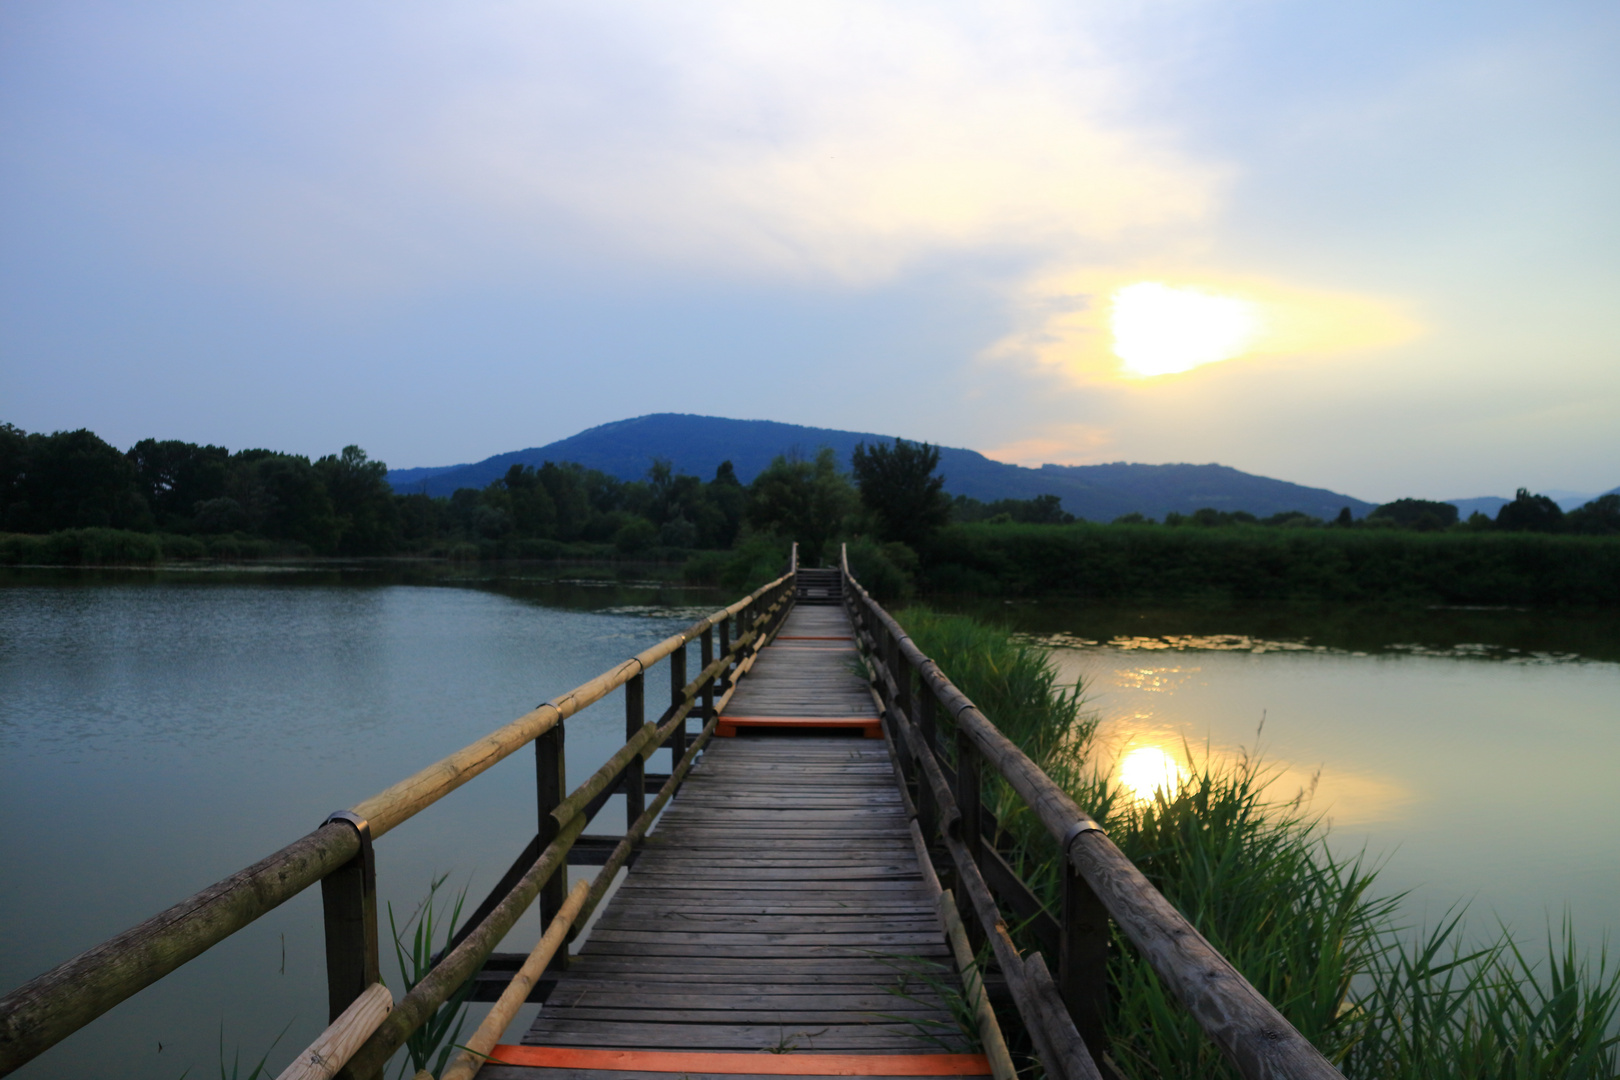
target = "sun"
x: 1161, y: 330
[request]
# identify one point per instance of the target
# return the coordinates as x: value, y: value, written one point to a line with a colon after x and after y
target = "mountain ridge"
x: 698, y: 444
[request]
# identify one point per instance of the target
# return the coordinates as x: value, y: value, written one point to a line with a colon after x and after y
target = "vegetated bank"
x: 1261, y: 563
x: 69, y: 498
x: 1250, y: 869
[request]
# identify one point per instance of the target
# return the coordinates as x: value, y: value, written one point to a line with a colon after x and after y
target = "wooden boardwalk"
x: 777, y: 909
x: 778, y: 921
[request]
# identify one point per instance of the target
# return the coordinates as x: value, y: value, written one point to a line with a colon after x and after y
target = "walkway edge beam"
x: 48, y: 1008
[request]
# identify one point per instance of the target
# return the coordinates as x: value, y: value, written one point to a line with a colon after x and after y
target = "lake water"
x: 1472, y: 753
x: 160, y: 730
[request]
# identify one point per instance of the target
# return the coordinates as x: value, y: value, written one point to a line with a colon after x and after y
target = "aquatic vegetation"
x: 1252, y: 870
x: 415, y: 959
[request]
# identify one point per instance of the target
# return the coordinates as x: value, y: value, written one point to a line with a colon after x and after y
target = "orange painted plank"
x: 795, y: 1064
x: 728, y: 725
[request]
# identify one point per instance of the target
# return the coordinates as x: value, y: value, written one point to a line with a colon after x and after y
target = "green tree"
x: 284, y: 498
x: 899, y: 489
x: 533, y: 513
x: 174, y: 477
x: 1041, y: 510
x: 72, y: 480
x: 1420, y: 514
x: 567, y: 485
x: 14, y: 510
x: 1530, y: 513
x: 721, y: 516
x: 362, y: 502
x: 1600, y: 517
x: 802, y: 500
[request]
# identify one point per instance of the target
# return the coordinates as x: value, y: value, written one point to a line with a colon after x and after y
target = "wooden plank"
x: 522, y: 1072
x: 763, y: 1036
x: 779, y: 897
x: 935, y: 1020
x: 640, y: 922
x: 650, y: 949
x: 741, y: 995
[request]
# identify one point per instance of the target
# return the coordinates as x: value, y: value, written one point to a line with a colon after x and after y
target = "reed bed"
x: 1308, y: 927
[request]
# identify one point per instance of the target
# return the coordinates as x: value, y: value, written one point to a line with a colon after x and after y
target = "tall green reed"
x: 1307, y: 927
x: 415, y: 959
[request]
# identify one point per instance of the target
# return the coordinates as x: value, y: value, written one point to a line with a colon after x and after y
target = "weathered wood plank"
x: 778, y: 899
x: 764, y: 1036
x: 522, y: 1072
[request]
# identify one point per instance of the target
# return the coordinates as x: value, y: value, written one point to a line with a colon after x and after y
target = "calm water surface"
x: 161, y: 731
x: 158, y: 731
x: 1472, y: 753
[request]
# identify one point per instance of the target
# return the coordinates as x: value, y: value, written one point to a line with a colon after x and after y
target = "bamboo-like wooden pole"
x: 328, y: 1053
x: 984, y: 1017
x: 477, y: 1048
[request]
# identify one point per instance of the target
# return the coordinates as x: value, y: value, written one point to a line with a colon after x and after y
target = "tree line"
x: 1526, y: 512
x: 890, y: 505
x: 342, y: 504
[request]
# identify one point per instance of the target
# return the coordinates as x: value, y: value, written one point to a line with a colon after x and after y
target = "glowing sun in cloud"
x: 1160, y: 330
x: 1140, y: 325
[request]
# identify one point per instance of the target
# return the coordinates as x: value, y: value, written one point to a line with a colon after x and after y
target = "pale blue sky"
x: 444, y: 231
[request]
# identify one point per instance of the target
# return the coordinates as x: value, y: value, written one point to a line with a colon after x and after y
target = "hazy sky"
x: 1371, y: 246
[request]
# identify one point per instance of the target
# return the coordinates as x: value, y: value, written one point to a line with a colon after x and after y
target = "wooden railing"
x: 944, y: 743
x: 368, y: 1027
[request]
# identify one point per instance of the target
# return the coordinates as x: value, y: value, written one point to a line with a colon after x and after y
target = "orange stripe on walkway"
x: 795, y: 1064
x: 728, y: 725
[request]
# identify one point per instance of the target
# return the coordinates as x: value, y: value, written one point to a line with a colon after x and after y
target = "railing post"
x: 705, y: 658
x: 635, y: 774
x: 1083, y: 959
x: 551, y: 785
x: 725, y: 650
x: 927, y: 812
x: 349, y: 903
x: 902, y: 679
x: 677, y: 695
x: 968, y: 806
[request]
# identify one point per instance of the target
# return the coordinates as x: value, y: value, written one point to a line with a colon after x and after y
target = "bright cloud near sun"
x: 1098, y: 326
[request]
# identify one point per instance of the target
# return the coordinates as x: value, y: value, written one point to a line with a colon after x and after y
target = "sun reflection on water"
x: 1147, y: 770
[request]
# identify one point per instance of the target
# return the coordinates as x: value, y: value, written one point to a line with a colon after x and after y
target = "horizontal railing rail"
x: 1064, y: 1017
x: 338, y: 854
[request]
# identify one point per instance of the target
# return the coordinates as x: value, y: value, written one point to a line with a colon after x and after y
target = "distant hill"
x: 1490, y: 504
x: 1484, y: 504
x: 698, y: 444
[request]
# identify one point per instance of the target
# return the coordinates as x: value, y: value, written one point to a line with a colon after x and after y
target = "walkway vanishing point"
x: 817, y: 888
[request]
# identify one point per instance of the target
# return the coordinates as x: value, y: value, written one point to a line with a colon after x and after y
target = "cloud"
x: 839, y: 143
